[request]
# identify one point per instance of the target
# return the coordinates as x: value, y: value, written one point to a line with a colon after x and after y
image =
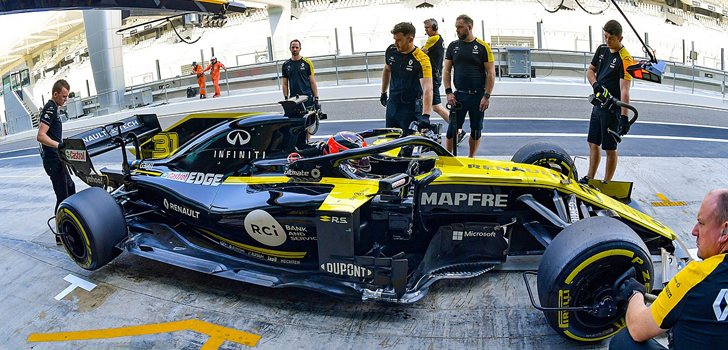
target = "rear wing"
x: 81, y: 147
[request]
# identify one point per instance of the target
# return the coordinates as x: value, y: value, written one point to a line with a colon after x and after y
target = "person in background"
x: 214, y: 68
x: 298, y: 76
x: 50, y: 136
x: 197, y: 69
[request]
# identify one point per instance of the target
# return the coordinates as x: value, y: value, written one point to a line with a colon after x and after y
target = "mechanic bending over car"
x: 608, y: 76
x: 474, y: 79
x: 435, y: 50
x: 408, y: 76
x: 298, y: 77
x: 50, y: 135
x: 693, y: 307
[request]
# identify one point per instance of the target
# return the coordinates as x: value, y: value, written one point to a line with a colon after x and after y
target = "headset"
x: 433, y: 24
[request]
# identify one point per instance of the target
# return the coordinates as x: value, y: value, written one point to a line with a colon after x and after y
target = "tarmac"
x: 134, y: 303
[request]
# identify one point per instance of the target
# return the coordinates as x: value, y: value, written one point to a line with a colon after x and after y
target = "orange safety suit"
x: 200, y: 79
x: 214, y: 69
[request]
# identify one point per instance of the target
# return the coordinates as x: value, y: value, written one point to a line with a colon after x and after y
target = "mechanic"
x: 197, y: 69
x: 214, y: 68
x: 474, y: 79
x: 692, y: 307
x: 298, y: 76
x: 435, y: 50
x: 408, y: 76
x: 608, y: 76
x: 50, y: 135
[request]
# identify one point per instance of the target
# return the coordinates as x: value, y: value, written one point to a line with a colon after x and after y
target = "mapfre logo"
x: 75, y: 155
x: 264, y: 228
x: 238, y: 137
x: 720, y: 305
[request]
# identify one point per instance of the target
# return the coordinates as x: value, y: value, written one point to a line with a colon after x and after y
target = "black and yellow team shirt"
x: 49, y: 116
x: 468, y: 61
x: 298, y: 73
x: 694, y: 305
x: 612, y: 66
x: 435, y: 48
x: 407, y: 70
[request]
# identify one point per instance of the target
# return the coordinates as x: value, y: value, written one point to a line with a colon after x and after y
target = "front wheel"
x: 91, y: 224
x: 549, y: 156
x: 580, y: 267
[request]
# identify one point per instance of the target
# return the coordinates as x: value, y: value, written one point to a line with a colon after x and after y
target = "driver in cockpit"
x: 341, y: 141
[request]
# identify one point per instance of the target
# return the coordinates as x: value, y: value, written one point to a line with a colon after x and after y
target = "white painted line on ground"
x: 19, y: 149
x: 75, y: 283
x: 18, y: 157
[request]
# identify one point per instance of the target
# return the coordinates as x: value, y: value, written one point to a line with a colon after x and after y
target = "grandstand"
x: 363, y: 26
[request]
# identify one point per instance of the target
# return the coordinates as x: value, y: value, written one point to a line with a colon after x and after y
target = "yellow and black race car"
x: 223, y: 194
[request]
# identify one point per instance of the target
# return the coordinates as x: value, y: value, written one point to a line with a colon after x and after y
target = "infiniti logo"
x: 238, y: 137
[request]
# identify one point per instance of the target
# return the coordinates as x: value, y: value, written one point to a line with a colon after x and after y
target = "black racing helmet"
x: 346, y: 140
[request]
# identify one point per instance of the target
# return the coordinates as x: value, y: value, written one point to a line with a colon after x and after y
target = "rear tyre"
x: 549, y: 156
x: 580, y: 267
x: 91, y: 224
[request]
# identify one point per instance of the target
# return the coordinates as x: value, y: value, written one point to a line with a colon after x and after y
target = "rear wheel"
x: 547, y: 155
x: 580, y: 267
x: 91, y: 224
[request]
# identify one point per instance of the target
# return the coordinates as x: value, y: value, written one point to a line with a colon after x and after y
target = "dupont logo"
x: 334, y: 219
x: 75, y: 155
x: 346, y: 269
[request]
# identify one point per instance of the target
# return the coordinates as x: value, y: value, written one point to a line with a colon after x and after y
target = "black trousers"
x: 63, y: 185
x: 623, y: 341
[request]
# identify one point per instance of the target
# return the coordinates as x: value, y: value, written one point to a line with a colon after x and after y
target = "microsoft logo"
x: 457, y: 235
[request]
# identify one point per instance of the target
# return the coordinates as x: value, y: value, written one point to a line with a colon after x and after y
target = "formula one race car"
x: 222, y: 194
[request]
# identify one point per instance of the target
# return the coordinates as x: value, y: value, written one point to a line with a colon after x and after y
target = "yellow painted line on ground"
x: 666, y: 202
x: 218, y: 334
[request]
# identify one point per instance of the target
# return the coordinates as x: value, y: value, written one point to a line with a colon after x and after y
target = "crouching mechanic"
x: 408, y: 76
x: 608, y: 75
x: 693, y: 307
x: 474, y: 79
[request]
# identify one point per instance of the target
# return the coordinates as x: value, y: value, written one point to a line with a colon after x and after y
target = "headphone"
x: 433, y: 24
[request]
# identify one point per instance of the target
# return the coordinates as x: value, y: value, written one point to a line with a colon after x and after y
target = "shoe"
x: 584, y: 180
x: 461, y: 136
x: 58, y: 240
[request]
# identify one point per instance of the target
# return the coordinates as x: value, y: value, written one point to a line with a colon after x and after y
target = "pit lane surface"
x: 491, y: 311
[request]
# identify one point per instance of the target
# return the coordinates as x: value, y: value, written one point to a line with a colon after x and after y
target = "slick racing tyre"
x: 547, y: 155
x: 580, y: 267
x: 91, y: 223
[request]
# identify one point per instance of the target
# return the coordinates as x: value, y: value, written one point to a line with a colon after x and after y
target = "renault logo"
x: 238, y: 137
x: 720, y: 305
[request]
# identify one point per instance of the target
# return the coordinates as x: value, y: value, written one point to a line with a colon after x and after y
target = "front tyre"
x: 580, y: 267
x: 547, y: 155
x: 91, y: 224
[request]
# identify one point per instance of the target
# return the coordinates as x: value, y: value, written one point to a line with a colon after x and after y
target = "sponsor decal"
x: 720, y: 305
x: 195, y: 178
x: 238, y: 154
x: 94, y: 180
x: 293, y: 157
x: 334, y: 219
x: 103, y: 134
x: 315, y: 173
x: 346, y: 269
x: 469, y: 199
x: 263, y: 227
x: 181, y: 209
x: 458, y: 235
x: 145, y: 165
x: 238, y: 137
x: 298, y: 233
x: 75, y: 155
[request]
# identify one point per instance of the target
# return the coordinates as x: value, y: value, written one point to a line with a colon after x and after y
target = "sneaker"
x: 461, y: 136
x: 584, y: 180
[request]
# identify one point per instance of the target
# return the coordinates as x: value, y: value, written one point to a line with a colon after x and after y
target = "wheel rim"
x: 73, y: 240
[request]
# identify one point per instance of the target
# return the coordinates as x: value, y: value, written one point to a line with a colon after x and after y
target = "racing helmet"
x: 346, y: 140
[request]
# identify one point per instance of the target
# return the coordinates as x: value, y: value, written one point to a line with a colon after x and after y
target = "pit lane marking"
x: 666, y: 202
x: 218, y: 334
x: 75, y: 282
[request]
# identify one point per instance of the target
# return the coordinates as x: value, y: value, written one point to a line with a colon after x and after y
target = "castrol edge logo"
x: 75, y: 155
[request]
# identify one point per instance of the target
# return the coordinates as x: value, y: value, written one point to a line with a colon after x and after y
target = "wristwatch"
x: 487, y: 95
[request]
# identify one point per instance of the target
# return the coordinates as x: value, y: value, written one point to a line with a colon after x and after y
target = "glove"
x: 316, y: 104
x: 61, y: 149
x: 383, y: 99
x: 424, y: 119
x: 627, y: 285
x: 623, y: 126
x: 597, y: 87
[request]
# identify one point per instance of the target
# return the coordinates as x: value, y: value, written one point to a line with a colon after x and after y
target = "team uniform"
x: 694, y: 306
x: 611, y: 67
x: 468, y: 61
x: 63, y: 185
x: 298, y: 74
x: 405, y: 91
x: 435, y: 51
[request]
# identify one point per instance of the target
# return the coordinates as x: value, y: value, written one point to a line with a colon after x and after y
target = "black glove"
x: 61, y: 149
x: 597, y: 87
x: 383, y: 99
x: 623, y: 126
x: 424, y: 119
x: 627, y: 285
x: 316, y: 104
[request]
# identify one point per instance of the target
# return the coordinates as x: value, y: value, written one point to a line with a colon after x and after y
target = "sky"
x: 18, y: 26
